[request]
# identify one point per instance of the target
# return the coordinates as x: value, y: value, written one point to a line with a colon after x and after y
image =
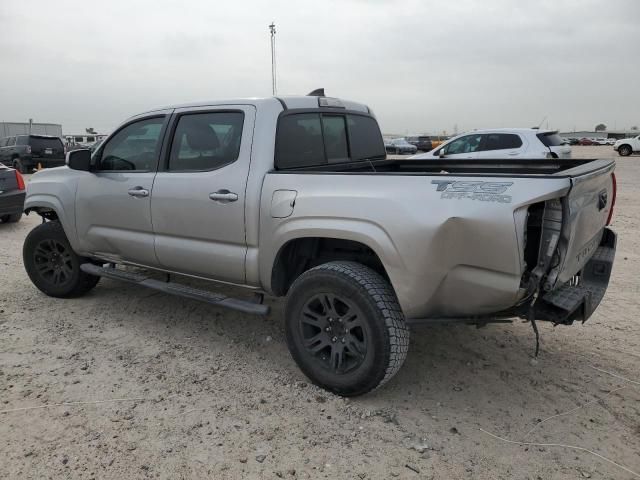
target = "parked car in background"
x: 503, y: 143
x: 438, y: 140
x: 627, y: 146
x: 400, y: 146
x: 586, y: 141
x: 572, y: 141
x: 74, y: 142
x: 421, y: 142
x: 12, y: 193
x: 611, y: 141
x: 25, y: 152
x: 600, y: 141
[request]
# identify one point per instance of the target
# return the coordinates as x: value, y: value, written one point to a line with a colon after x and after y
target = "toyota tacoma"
x: 294, y: 197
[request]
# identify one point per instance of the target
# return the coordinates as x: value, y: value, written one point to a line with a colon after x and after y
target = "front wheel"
x: 345, y: 328
x: 624, y: 150
x: 52, y: 265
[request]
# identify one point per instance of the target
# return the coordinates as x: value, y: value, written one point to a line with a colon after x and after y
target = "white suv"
x: 503, y: 143
x: 627, y: 146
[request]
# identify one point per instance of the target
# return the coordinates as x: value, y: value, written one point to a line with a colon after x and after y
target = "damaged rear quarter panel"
x: 446, y: 256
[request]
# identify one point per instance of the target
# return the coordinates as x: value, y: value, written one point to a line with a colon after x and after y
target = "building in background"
x: 9, y: 129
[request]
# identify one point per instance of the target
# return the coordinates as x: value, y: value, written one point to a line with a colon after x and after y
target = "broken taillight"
x: 613, y: 200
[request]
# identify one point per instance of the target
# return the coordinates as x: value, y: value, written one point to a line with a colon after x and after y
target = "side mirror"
x: 441, y: 153
x: 79, y: 159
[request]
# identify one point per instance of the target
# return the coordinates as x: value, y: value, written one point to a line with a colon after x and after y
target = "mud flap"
x: 577, y: 300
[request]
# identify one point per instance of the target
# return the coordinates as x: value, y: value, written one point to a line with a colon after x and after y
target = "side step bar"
x: 176, y: 289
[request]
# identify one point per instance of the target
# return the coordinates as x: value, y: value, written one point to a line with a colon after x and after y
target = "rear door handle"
x: 138, y: 192
x: 223, y: 196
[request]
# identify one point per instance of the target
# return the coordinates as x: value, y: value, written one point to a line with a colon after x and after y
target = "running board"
x: 176, y: 289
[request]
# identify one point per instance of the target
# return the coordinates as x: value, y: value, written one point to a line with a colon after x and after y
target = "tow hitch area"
x: 176, y: 289
x: 578, y: 298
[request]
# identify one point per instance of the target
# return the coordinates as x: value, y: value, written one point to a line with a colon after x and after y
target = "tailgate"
x: 585, y: 212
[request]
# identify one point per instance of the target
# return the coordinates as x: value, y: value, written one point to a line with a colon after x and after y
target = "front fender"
x: 38, y: 201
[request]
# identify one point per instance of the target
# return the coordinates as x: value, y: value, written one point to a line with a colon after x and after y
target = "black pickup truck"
x: 25, y: 152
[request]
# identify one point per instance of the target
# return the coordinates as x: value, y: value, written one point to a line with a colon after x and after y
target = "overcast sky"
x: 421, y: 66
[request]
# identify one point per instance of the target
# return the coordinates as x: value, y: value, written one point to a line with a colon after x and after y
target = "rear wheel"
x: 345, y: 329
x: 52, y: 265
x: 11, y: 218
x: 624, y: 150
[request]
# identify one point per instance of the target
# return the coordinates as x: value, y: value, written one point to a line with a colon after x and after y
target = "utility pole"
x: 272, y: 29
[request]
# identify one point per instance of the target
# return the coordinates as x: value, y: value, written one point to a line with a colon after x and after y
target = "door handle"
x: 513, y: 154
x: 138, y: 192
x: 223, y: 196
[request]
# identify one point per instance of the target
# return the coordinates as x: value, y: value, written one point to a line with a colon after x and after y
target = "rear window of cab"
x: 309, y: 139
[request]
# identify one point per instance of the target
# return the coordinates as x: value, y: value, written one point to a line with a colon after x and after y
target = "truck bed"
x: 555, y: 168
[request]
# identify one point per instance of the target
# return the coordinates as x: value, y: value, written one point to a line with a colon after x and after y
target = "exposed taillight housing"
x: 613, y: 200
x: 19, y: 181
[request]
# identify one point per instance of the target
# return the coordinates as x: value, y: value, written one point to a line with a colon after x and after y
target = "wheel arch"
x: 300, y: 251
x: 50, y: 207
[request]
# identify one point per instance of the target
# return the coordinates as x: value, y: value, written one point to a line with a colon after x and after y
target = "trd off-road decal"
x: 475, y: 190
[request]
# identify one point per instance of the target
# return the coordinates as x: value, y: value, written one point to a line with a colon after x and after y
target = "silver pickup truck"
x: 295, y: 197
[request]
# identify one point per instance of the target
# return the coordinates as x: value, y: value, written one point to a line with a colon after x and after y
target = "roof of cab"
x: 289, y: 101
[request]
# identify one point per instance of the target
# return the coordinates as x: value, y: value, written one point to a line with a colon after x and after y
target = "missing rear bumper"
x: 579, y: 298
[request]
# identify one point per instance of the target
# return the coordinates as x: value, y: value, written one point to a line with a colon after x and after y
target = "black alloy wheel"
x: 332, y: 331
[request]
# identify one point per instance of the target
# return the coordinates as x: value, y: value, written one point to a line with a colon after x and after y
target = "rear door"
x: 198, y: 200
x: 502, y: 145
x: 113, y: 202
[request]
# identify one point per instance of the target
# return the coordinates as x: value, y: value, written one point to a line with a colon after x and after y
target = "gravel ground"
x: 127, y: 383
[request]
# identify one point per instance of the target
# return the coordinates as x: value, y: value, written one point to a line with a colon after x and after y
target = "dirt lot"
x: 154, y: 386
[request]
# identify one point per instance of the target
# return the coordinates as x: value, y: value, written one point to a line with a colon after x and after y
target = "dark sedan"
x: 12, y: 192
x: 400, y: 146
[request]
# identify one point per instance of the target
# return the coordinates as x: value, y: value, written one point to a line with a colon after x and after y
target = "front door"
x: 198, y: 197
x: 113, y: 202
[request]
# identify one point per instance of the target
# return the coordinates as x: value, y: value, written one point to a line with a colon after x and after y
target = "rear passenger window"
x: 206, y: 141
x: 501, y: 141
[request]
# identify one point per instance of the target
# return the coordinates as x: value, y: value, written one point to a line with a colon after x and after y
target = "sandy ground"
x: 191, y: 391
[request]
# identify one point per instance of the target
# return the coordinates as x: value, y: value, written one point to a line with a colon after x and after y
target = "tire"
x: 624, y: 150
x: 52, y: 265
x: 352, y: 337
x: 11, y: 218
x: 19, y: 166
